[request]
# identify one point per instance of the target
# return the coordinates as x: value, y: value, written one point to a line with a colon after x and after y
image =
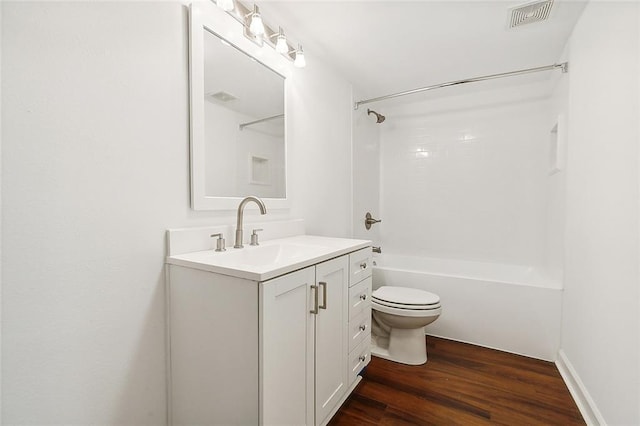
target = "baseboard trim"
x: 579, y: 392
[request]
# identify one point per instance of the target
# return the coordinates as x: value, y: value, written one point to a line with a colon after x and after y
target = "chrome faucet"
x: 263, y: 210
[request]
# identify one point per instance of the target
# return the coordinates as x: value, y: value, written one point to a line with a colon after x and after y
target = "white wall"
x: 601, y: 327
x: 95, y: 152
x: 321, y: 154
x: 464, y: 176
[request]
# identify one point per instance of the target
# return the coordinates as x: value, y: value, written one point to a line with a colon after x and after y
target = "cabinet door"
x: 332, y: 345
x: 286, y: 347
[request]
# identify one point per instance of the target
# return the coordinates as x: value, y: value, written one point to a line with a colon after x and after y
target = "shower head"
x: 379, y: 117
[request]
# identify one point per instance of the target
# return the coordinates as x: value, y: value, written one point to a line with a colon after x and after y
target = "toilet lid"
x: 375, y: 303
x: 405, y: 296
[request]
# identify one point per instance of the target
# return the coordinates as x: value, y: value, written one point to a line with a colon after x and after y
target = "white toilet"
x: 399, y: 317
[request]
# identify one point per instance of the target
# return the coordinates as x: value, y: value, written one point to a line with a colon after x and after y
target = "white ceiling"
x: 385, y: 47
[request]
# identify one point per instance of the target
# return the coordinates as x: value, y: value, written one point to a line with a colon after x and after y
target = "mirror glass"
x: 244, y: 126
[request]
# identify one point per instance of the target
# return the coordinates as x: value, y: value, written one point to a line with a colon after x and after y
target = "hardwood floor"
x: 460, y: 384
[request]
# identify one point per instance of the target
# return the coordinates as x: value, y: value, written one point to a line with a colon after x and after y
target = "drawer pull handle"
x: 363, y: 327
x: 363, y: 297
x: 324, y: 294
x: 363, y: 265
x: 315, y: 309
x: 362, y: 358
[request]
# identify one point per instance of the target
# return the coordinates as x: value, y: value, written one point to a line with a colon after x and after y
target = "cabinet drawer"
x: 359, y: 358
x: 359, y: 265
x: 359, y: 327
x: 359, y: 297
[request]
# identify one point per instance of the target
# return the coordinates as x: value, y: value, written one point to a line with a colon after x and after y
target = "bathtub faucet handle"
x: 369, y: 220
x: 376, y: 249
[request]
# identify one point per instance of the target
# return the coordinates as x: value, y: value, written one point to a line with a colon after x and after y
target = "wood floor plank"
x: 461, y: 384
x: 411, y: 406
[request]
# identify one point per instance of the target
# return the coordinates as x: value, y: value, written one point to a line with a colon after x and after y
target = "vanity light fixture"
x: 256, y: 30
x: 226, y: 5
x: 256, y: 26
x: 299, y: 62
x: 281, y: 42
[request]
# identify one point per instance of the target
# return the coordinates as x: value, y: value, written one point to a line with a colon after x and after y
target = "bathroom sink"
x: 267, y: 254
x: 271, y: 258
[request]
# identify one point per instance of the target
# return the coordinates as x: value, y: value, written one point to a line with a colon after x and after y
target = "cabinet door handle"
x: 363, y: 327
x: 362, y: 358
x: 363, y: 265
x: 315, y: 298
x: 324, y: 294
x: 363, y: 297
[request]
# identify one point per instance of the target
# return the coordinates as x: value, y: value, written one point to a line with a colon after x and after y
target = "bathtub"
x: 512, y: 308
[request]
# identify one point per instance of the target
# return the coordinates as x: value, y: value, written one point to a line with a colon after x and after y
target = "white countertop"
x: 271, y: 258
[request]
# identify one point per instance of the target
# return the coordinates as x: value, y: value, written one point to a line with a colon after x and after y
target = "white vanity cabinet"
x: 270, y: 352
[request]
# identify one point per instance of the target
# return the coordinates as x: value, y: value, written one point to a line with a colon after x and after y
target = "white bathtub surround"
x: 497, y: 306
x: 464, y: 177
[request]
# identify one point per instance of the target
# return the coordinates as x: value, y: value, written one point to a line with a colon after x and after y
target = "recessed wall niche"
x: 259, y: 169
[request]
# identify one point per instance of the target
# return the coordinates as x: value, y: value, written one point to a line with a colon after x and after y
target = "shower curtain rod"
x: 564, y: 66
x: 243, y: 125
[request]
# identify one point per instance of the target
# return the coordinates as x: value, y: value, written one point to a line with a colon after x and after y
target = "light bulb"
x: 226, y: 5
x: 256, y: 26
x: 281, y: 44
x: 299, y: 61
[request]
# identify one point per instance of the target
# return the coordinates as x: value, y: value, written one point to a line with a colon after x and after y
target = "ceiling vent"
x: 223, y: 96
x: 529, y: 13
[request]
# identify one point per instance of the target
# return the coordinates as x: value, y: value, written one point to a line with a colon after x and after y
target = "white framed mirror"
x: 238, y: 114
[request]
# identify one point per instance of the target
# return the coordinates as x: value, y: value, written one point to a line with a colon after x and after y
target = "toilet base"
x: 405, y: 346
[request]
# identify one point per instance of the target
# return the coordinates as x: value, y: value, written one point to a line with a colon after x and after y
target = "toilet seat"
x: 404, y: 301
x: 406, y: 298
x: 408, y: 307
